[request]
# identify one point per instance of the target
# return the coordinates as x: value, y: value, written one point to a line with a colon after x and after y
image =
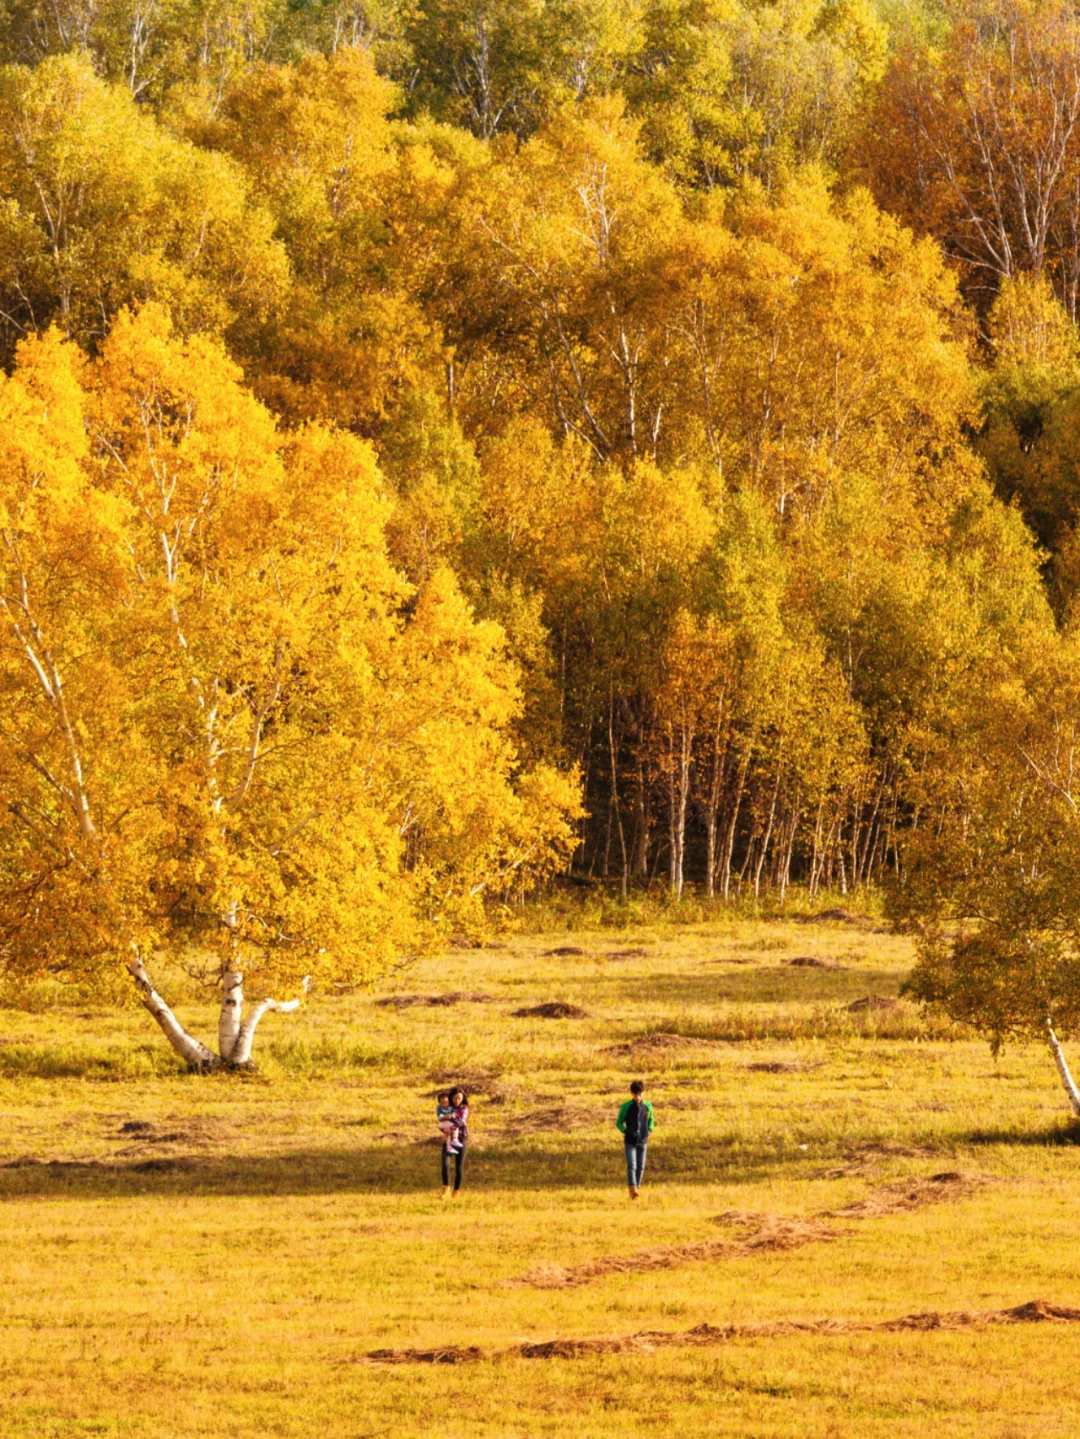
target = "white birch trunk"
x: 190, y: 1049
x: 235, y: 1036
x: 242, y: 1050
x: 232, y: 1005
x: 1063, y: 1068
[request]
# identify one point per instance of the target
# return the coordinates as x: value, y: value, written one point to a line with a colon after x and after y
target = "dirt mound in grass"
x: 476, y: 1086
x: 863, y: 1159
x: 142, y: 1134
x: 431, y: 1001
x: 782, y: 1066
x: 669, y: 1041
x: 835, y: 916
x: 452, y: 1354
x: 658, y: 1043
x: 558, y: 1119
x: 763, y: 1233
x: 906, y: 1194
x: 162, y: 1166
x: 151, y: 1134
x: 475, y: 1082
x: 811, y: 961
x: 30, y: 1161
x: 104, y: 1166
x: 872, y: 1004
x: 628, y: 954
x: 554, y: 1009
x: 1035, y: 1311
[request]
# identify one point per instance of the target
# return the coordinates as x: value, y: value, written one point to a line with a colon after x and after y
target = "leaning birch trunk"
x: 235, y: 1036
x: 673, y: 842
x: 191, y: 1050
x: 1063, y: 1068
x: 241, y: 1053
x: 729, y: 840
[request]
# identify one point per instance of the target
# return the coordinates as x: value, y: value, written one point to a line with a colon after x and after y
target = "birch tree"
x: 231, y: 732
x: 101, y: 207
x: 978, y: 142
x: 992, y: 885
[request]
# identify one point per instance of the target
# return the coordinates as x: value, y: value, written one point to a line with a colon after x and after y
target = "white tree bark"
x: 235, y: 1037
x: 1063, y: 1068
x: 242, y: 1052
x: 190, y: 1049
x: 232, y: 1004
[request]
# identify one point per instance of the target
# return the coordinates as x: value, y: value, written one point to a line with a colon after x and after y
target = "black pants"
x: 459, y: 1165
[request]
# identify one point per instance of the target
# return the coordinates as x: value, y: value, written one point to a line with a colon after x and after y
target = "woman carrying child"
x: 452, y: 1117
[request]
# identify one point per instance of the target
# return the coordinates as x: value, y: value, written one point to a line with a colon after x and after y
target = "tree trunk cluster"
x: 236, y: 1034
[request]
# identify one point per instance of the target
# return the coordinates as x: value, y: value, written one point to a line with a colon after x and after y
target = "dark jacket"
x: 635, y: 1121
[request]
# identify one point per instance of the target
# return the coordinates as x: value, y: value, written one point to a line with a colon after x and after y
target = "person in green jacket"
x: 635, y: 1124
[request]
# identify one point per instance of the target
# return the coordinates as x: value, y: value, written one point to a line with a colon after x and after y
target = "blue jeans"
x: 635, y: 1163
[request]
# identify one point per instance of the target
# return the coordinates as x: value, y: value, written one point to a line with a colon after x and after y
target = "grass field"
x: 182, y: 1256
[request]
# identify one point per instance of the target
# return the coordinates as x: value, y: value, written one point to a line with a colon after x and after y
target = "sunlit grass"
x: 224, y: 1267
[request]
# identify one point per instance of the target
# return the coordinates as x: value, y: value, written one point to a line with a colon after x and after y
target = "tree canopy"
x: 451, y: 442
x: 232, y: 729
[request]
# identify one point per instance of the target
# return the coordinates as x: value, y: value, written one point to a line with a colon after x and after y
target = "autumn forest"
x: 450, y: 444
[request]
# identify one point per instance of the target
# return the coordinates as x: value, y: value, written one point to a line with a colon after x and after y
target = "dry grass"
x: 181, y: 1256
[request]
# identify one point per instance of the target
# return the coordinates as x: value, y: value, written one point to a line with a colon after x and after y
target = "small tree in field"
x: 229, y: 731
x: 995, y: 881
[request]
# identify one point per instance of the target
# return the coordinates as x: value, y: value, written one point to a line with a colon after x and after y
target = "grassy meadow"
x: 184, y: 1255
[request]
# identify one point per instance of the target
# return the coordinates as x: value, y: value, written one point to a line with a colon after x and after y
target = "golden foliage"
x: 231, y: 726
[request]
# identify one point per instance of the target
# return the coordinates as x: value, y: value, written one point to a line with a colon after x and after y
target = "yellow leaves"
x: 103, y: 207
x: 335, y: 496
x: 41, y: 408
x: 657, y: 523
x: 591, y: 155
x: 860, y: 33
x: 273, y: 735
x: 823, y: 342
x: 592, y: 536
x: 783, y: 342
x: 538, y: 836
x: 735, y: 91
x: 1028, y: 325
x: 313, y: 135
x: 44, y: 500
x: 533, y: 493
x: 183, y: 441
x: 446, y: 646
x: 315, y: 140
